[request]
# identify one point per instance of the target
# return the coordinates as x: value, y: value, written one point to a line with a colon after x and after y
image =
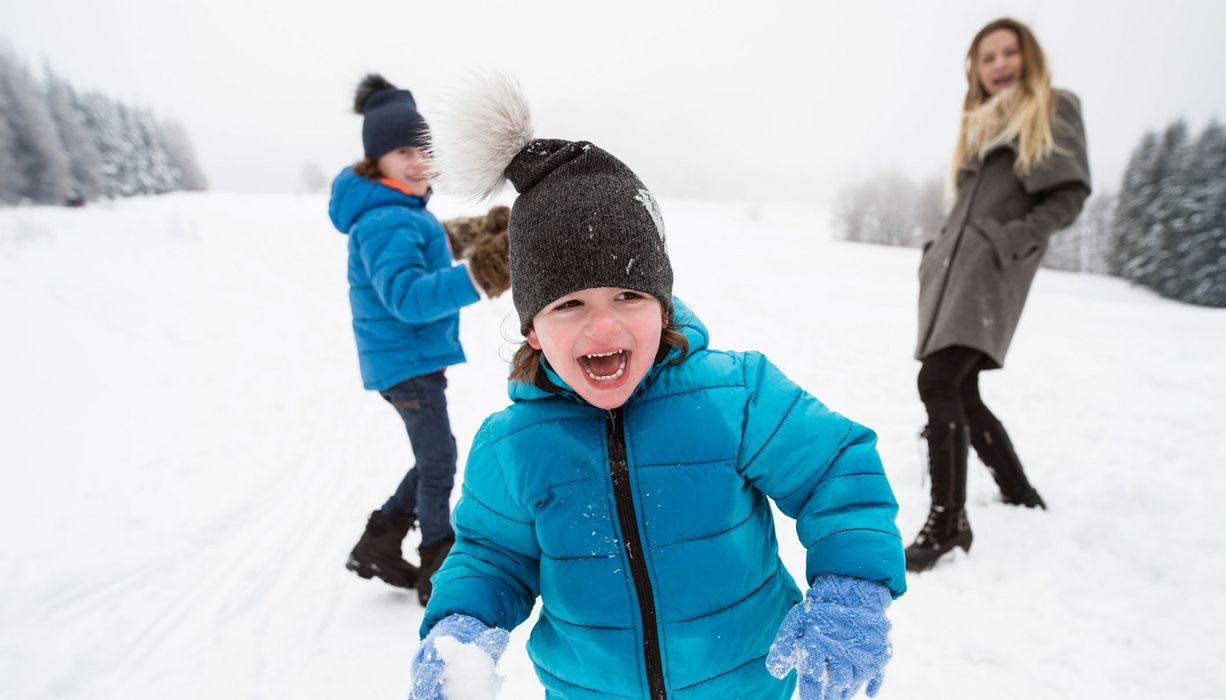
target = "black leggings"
x: 949, y: 387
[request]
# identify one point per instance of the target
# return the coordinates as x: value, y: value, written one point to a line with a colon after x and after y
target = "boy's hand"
x: 466, y: 231
x: 837, y: 638
x: 487, y: 260
x: 428, y: 666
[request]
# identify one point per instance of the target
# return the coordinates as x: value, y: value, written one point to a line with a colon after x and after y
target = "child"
x: 627, y: 484
x: 406, y: 297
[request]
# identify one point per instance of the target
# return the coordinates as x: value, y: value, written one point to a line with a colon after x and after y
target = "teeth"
x: 621, y: 369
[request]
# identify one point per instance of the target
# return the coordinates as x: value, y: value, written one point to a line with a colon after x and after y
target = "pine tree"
x: 1199, y: 234
x: 84, y: 161
x: 183, y: 157
x: 12, y: 180
x: 1160, y: 194
x: 1130, y: 220
x: 35, y: 145
x: 102, y: 122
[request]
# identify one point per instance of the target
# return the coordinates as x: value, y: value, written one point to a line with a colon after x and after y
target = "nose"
x: 602, y: 323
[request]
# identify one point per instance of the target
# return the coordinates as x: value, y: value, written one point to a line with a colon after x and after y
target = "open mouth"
x: 605, y: 366
x: 1003, y: 81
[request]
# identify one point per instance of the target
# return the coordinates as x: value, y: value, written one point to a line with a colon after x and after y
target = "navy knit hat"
x: 391, y: 117
x: 582, y: 219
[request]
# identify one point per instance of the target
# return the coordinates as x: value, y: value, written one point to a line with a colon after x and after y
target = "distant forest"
x: 64, y: 147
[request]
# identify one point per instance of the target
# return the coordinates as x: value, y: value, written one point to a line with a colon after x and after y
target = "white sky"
x: 702, y: 99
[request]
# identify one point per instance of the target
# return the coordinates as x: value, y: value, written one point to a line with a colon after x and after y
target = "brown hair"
x: 368, y: 169
x: 526, y: 364
x: 1029, y: 114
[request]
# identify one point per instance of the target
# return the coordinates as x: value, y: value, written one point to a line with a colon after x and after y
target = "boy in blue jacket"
x: 627, y: 485
x: 406, y: 297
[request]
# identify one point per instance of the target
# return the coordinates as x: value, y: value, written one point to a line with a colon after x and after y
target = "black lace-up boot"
x: 378, y: 552
x: 947, y: 526
x: 996, y: 451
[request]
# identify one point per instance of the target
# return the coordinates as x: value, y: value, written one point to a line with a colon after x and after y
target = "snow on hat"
x: 582, y: 219
x: 391, y: 118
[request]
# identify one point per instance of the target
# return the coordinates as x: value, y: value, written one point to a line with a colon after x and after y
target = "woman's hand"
x: 837, y: 639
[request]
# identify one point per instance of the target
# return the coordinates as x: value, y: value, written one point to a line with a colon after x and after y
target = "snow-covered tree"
x: 33, y: 141
x: 1170, y: 231
x: 84, y: 161
x: 1162, y: 195
x: 1197, y: 235
x: 12, y: 180
x: 1138, y: 188
x: 888, y: 209
x: 312, y: 178
x: 183, y: 157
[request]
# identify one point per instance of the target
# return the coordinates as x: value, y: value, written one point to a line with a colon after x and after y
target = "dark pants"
x: 949, y: 387
x: 425, y: 491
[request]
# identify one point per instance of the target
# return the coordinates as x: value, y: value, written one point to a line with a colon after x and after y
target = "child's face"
x: 600, y: 341
x: 409, y: 166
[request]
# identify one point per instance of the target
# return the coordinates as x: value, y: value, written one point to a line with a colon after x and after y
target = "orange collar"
x: 396, y: 186
x: 401, y: 188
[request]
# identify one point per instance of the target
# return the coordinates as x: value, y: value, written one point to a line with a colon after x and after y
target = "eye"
x: 568, y: 304
x: 628, y: 296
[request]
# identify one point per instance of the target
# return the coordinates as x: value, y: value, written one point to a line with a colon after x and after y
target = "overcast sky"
x: 788, y: 100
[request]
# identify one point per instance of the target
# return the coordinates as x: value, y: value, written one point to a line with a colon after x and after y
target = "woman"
x: 1019, y: 174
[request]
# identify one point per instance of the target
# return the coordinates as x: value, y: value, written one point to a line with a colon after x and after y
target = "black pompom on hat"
x: 391, y: 118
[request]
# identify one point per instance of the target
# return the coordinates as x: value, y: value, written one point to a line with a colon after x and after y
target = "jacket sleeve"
x: 493, y: 570
x: 392, y: 250
x: 1061, y: 185
x: 823, y: 470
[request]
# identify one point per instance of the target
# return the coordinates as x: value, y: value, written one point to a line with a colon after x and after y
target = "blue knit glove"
x: 428, y: 667
x: 837, y: 638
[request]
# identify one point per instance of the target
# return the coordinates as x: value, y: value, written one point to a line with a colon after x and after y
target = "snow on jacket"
x: 403, y: 289
x: 647, y: 532
x: 975, y: 275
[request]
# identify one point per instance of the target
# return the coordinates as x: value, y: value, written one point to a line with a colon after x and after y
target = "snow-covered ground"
x: 187, y: 457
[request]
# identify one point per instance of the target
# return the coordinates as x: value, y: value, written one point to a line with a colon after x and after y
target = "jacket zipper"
x: 620, y: 471
x: 936, y: 313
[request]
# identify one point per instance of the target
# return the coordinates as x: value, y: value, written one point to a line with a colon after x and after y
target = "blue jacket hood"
x: 354, y: 195
x: 687, y: 323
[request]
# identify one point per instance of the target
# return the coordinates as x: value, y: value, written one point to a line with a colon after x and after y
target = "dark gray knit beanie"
x: 582, y: 218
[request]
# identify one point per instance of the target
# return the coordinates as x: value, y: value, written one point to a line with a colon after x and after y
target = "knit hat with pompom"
x: 582, y: 219
x: 391, y: 119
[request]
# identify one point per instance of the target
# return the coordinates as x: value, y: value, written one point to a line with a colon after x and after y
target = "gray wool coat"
x: 976, y: 272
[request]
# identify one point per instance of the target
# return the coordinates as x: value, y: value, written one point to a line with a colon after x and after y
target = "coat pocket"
x: 1008, y: 244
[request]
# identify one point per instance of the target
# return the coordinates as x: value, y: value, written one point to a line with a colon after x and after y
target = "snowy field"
x: 188, y: 456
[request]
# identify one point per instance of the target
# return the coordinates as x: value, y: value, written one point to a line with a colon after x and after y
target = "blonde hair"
x: 1022, y: 112
x: 526, y: 363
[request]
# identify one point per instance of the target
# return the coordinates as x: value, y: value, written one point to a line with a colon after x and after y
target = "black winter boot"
x: 378, y: 553
x: 996, y: 452
x: 947, y: 526
x: 432, y: 557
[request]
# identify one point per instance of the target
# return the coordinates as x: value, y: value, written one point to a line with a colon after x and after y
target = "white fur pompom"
x: 476, y: 133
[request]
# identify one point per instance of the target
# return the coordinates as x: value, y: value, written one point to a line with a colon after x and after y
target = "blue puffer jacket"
x: 647, y: 531
x: 405, y: 293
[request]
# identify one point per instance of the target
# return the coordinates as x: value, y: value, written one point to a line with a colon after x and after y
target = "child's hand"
x: 837, y: 638
x: 428, y: 666
x: 464, y: 232
x: 487, y: 259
